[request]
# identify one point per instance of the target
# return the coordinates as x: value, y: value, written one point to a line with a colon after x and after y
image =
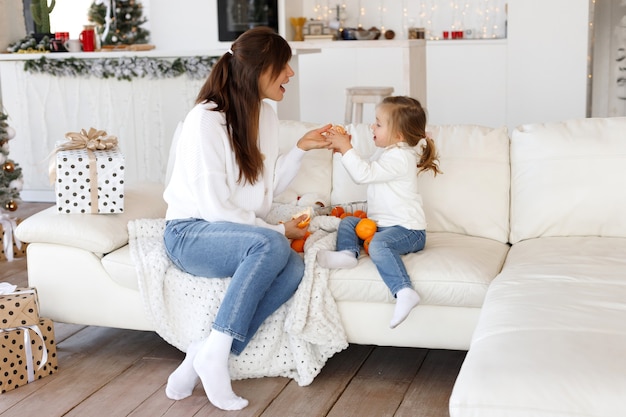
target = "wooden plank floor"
x: 114, y: 372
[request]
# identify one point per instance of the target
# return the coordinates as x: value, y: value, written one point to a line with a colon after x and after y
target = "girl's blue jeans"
x: 385, y: 250
x: 265, y: 270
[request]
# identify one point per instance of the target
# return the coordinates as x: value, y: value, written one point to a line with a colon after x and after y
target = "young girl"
x: 392, y: 197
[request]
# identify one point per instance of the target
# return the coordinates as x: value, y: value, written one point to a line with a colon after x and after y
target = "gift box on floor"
x: 28, y: 354
x: 19, y: 308
x: 89, y: 171
x: 10, y: 246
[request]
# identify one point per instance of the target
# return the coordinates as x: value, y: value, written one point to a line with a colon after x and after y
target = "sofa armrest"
x: 98, y: 233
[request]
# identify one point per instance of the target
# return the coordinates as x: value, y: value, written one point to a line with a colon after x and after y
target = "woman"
x: 226, y: 173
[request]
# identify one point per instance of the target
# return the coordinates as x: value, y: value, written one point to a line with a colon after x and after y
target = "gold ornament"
x: 8, y: 166
x: 10, y: 205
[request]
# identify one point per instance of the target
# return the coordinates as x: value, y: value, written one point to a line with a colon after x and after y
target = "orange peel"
x: 304, y: 223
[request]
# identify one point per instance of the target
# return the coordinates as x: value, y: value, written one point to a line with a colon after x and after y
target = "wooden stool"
x: 356, y: 96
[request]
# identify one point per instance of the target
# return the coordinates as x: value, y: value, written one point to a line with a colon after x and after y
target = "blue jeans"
x: 385, y: 250
x: 265, y: 270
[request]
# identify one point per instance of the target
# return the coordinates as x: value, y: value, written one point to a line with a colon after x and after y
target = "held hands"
x: 339, y: 141
x: 326, y: 137
x: 315, y: 139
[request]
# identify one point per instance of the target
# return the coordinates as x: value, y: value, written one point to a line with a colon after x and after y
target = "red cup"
x: 446, y: 34
x: 88, y: 40
x: 459, y: 34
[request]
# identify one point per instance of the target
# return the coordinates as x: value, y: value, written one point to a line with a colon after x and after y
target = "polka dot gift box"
x: 18, y: 306
x: 89, y: 174
x: 28, y: 353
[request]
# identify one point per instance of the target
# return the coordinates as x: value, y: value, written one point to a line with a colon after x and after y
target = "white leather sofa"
x: 523, y: 264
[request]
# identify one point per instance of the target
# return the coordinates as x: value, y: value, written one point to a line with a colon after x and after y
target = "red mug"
x: 88, y: 39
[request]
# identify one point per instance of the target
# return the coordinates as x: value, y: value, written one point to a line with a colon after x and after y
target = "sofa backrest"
x: 470, y: 197
x: 568, y: 179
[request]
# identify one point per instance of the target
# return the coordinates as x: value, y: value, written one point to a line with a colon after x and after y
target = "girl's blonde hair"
x: 407, y: 118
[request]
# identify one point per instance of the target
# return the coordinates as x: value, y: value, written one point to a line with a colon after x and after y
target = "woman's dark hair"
x: 407, y: 118
x: 233, y: 85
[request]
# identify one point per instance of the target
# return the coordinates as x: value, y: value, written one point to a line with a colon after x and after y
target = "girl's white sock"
x: 211, y: 364
x: 333, y: 260
x: 182, y: 381
x: 406, y: 300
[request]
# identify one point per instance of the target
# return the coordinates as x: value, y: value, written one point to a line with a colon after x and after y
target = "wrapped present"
x: 89, y: 174
x: 18, y: 306
x: 28, y: 353
x: 10, y: 246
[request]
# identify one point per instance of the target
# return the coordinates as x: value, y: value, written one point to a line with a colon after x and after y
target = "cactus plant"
x: 40, y: 11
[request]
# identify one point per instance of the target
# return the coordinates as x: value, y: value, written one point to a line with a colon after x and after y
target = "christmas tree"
x: 10, y: 174
x: 118, y: 22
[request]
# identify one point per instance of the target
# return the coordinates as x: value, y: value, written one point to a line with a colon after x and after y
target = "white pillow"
x: 568, y: 179
x: 471, y: 196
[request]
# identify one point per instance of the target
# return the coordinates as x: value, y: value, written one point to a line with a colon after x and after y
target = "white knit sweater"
x: 204, y: 177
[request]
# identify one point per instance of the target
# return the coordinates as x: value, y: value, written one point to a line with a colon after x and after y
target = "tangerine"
x: 360, y: 213
x: 345, y: 214
x: 298, y: 245
x: 337, y: 211
x: 304, y: 223
x: 366, y: 244
x: 365, y: 228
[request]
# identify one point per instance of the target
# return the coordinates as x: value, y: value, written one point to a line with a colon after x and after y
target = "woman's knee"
x: 273, y: 243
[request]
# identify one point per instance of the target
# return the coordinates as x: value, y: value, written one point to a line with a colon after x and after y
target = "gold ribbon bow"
x: 93, y: 140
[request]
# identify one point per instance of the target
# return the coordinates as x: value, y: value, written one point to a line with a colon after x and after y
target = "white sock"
x: 332, y: 260
x: 211, y: 364
x: 406, y: 300
x: 182, y: 381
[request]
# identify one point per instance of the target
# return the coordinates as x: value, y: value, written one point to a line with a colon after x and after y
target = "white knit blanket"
x: 294, y: 342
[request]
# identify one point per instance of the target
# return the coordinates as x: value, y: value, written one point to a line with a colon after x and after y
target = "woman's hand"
x: 292, y: 231
x: 315, y: 139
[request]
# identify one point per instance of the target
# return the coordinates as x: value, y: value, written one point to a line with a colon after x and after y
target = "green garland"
x: 123, y: 68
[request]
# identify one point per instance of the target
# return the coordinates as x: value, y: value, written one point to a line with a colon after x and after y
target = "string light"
x: 477, y: 19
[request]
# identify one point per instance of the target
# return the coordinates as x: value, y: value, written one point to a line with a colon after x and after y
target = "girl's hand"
x: 315, y: 139
x: 339, y: 143
x: 292, y: 231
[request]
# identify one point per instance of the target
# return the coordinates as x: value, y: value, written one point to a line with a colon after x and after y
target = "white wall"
x: 547, y: 60
x: 538, y: 75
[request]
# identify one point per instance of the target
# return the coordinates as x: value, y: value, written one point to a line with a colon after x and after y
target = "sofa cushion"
x: 470, y: 197
x: 568, y: 179
x: 98, y: 233
x: 551, y: 338
x: 452, y: 270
